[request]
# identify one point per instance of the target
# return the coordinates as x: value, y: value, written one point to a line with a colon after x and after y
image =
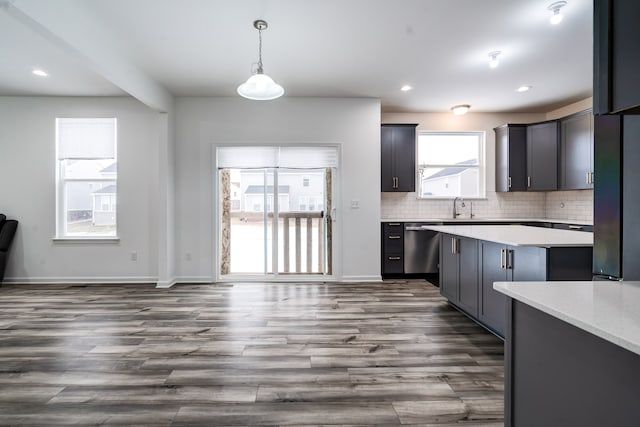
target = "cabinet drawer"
x: 393, y: 263
x: 393, y: 243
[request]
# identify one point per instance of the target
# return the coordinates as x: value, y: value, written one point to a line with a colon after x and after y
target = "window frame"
x: 61, y: 224
x: 481, y: 166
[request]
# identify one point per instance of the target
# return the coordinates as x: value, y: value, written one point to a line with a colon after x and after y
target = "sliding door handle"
x: 509, y: 182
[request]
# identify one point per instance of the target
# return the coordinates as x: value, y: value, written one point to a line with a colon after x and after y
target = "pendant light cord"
x: 259, y: 50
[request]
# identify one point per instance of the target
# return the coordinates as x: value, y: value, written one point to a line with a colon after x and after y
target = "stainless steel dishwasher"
x: 421, y: 249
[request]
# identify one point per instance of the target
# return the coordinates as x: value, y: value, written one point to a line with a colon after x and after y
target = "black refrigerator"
x: 616, y: 197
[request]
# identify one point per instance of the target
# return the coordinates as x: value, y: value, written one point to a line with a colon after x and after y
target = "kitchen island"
x: 473, y: 257
x: 572, y: 353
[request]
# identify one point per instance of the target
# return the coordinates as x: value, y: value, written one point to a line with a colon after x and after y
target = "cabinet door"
x: 492, y: 310
x: 405, y: 158
x: 468, y: 275
x: 448, y: 268
x: 386, y: 159
x: 616, y: 56
x: 542, y: 156
x: 527, y: 263
x: 576, y: 148
x: 511, y: 165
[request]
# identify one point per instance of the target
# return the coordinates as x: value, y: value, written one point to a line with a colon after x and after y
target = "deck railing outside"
x: 301, y: 239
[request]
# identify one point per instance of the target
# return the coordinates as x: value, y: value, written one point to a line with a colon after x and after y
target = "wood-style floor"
x: 392, y: 353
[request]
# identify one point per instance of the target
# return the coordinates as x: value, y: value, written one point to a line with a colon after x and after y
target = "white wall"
x: 203, y: 122
x: 27, y: 191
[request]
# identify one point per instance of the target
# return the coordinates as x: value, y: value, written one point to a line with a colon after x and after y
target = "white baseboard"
x: 349, y: 279
x: 183, y: 279
x: 74, y: 280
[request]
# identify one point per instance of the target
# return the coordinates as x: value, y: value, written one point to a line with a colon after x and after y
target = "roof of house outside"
x: 453, y: 170
x: 109, y: 189
x: 112, y: 168
x: 259, y: 189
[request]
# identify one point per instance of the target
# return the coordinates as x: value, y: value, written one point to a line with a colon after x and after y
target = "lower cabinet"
x: 459, y: 271
x: 392, y: 249
x: 469, y: 267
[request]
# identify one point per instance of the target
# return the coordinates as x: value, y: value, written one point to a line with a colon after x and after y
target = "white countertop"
x: 609, y: 310
x: 484, y: 219
x: 518, y: 235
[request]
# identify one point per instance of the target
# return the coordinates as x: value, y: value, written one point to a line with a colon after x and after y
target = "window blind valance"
x: 290, y: 157
x: 79, y: 138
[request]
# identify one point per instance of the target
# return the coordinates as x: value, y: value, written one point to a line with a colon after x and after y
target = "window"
x: 451, y: 164
x: 86, y: 172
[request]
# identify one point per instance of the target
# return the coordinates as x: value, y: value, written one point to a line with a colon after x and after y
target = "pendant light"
x: 260, y: 87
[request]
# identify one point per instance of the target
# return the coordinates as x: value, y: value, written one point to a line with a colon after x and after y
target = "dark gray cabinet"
x: 616, y: 56
x: 392, y: 249
x: 576, y: 152
x: 511, y: 157
x: 459, y: 272
x: 542, y: 156
x: 503, y: 263
x: 398, y: 157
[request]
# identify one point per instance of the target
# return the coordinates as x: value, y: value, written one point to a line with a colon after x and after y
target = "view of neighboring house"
x: 89, y: 200
x: 452, y: 181
x: 297, y: 191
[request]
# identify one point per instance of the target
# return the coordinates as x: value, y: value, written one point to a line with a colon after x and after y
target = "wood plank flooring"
x: 391, y: 353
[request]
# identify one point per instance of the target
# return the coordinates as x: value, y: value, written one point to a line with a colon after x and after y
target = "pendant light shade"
x: 260, y: 87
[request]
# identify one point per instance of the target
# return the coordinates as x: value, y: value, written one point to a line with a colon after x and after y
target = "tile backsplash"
x: 573, y: 205
x: 576, y: 205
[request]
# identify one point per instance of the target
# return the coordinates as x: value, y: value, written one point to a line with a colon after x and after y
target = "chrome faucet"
x: 455, y: 213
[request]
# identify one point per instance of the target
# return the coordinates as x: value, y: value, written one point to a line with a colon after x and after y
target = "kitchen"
x: 347, y: 336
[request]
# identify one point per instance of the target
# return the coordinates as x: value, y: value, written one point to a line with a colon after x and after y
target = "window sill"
x: 86, y: 240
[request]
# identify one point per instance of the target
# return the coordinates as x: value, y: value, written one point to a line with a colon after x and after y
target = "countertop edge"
x: 481, y: 220
x: 506, y: 288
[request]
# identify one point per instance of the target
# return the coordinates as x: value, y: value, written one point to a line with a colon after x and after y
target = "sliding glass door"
x: 274, y: 221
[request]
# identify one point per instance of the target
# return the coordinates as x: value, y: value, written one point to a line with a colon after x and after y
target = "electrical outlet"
x: 134, y: 256
x: 355, y: 204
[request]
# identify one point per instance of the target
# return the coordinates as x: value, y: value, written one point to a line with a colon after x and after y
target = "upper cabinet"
x: 542, y: 156
x: 398, y: 157
x: 511, y: 158
x: 576, y: 152
x: 616, y: 56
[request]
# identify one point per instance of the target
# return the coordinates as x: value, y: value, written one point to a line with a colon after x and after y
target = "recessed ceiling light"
x: 556, y: 17
x: 406, y: 88
x: 40, y: 73
x: 460, y: 109
x: 524, y: 88
x: 494, y: 62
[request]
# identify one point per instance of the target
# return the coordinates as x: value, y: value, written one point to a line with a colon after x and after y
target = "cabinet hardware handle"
x: 397, y: 182
x: 394, y: 224
x: 528, y: 181
x: 503, y: 259
x: 591, y: 182
x: 394, y: 258
x: 575, y: 227
x: 588, y: 175
x: 509, y: 258
x: 457, y: 245
x: 394, y: 237
x: 509, y: 180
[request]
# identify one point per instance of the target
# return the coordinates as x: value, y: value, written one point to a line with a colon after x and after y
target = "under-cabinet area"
x: 472, y: 258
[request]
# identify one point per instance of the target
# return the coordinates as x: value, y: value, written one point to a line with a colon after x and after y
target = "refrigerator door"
x: 607, y: 196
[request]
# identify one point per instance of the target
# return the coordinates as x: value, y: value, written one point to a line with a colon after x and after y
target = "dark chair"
x: 7, y: 231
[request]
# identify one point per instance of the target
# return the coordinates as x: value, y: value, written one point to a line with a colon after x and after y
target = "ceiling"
x: 321, y: 48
